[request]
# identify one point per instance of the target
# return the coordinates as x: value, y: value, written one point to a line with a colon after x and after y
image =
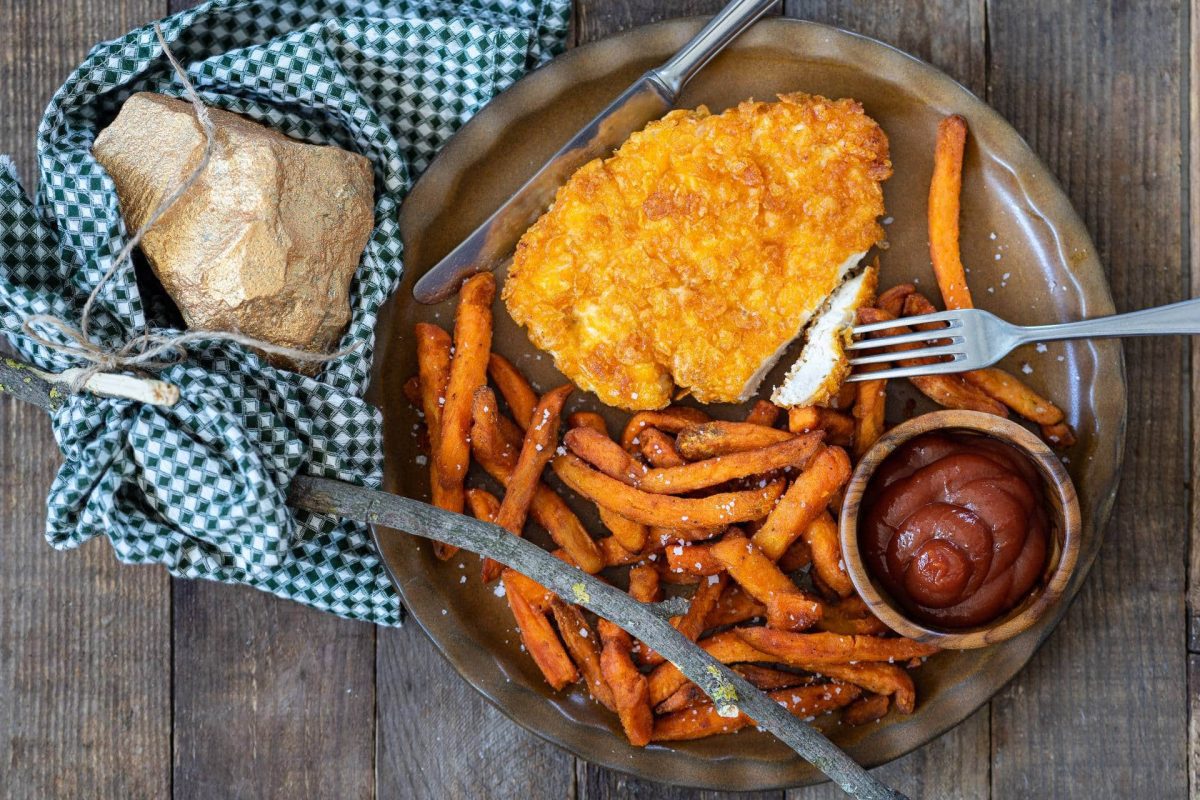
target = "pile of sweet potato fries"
x: 741, y: 511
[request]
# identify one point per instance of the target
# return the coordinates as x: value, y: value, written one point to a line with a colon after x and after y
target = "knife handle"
x: 729, y: 23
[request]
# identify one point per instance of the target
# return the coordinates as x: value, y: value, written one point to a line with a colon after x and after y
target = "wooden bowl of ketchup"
x: 960, y: 529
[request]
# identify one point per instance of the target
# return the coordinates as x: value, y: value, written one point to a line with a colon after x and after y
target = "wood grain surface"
x: 85, y: 643
x: 1096, y: 88
x: 118, y: 682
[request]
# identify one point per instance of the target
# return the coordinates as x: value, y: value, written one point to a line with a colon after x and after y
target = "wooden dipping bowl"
x: 1064, y: 546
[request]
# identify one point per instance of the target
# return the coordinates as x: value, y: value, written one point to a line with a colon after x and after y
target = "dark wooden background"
x: 122, y: 682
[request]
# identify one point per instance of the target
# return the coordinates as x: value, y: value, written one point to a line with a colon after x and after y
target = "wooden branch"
x: 26, y: 383
x: 731, y: 693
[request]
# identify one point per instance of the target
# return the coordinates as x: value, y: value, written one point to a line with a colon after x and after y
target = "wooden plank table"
x: 122, y: 682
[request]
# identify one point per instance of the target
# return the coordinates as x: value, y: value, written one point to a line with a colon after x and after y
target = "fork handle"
x: 1173, y: 319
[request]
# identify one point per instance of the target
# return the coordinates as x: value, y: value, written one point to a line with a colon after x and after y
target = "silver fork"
x: 970, y: 338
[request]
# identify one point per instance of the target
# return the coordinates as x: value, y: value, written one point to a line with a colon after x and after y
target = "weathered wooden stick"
x: 731, y: 693
x: 26, y: 383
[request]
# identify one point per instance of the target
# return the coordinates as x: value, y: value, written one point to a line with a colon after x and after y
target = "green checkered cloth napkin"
x: 200, y: 487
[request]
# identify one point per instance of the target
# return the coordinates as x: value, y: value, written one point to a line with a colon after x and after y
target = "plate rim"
x: 1103, y: 504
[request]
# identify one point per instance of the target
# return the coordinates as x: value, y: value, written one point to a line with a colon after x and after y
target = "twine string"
x: 152, y: 351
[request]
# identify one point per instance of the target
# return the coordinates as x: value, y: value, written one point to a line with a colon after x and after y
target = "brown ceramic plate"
x: 1032, y: 262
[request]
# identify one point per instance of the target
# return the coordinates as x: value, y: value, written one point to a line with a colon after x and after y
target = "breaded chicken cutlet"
x: 699, y: 250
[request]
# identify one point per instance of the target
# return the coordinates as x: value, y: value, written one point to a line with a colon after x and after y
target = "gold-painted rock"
x: 265, y: 242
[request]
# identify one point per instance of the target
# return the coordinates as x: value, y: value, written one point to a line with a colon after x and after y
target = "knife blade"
x: 651, y: 96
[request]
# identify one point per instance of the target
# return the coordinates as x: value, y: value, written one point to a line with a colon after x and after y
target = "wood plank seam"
x: 1191, y: 156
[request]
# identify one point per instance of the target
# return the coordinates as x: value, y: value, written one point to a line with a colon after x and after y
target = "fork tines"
x: 944, y: 346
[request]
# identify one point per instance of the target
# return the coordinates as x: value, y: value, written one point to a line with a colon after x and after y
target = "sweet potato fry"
x: 629, y: 534
x: 951, y: 391
x: 468, y: 371
x: 665, y: 535
x: 804, y: 501
x: 490, y: 442
x: 796, y: 557
x: 682, y: 513
x: 823, y: 541
x: 720, y: 438
x: 587, y: 419
x: 659, y: 449
x: 851, y: 617
x: 996, y: 383
x: 499, y: 458
x: 692, y: 559
x: 795, y: 452
x: 763, y: 412
x: 793, y: 611
x: 541, y: 438
x: 1060, y: 435
x: 608, y: 457
x: 891, y: 302
x: 515, y: 390
x: 734, y: 606
x: 801, y: 649
x: 672, y: 419
x: 691, y: 623
x: 686, y: 696
x: 433, y: 374
x: 768, y: 679
x: 886, y: 679
x: 629, y: 687
x: 752, y: 570
x: 643, y: 584
x: 702, y: 720
x: 537, y: 596
x: 675, y: 578
x: 947, y: 390
x: 727, y: 647
x: 845, y: 396
x: 802, y: 419
x: 552, y: 513
x: 605, y: 455
x: 645, y: 588
x: 838, y: 427
x: 763, y: 678
x: 870, y: 405
x: 584, y: 648
x: 868, y: 708
x: 614, y: 554
x: 703, y: 601
x: 541, y: 642
x: 1011, y: 391
x: 944, y: 190
x: 412, y: 391
x: 483, y: 504
x: 522, y: 485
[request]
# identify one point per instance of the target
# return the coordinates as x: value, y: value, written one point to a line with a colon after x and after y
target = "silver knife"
x: 651, y: 96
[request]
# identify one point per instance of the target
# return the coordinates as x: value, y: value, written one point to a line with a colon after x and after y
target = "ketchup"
x: 957, y: 529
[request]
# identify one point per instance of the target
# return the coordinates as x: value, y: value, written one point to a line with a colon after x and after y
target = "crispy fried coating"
x: 697, y: 252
